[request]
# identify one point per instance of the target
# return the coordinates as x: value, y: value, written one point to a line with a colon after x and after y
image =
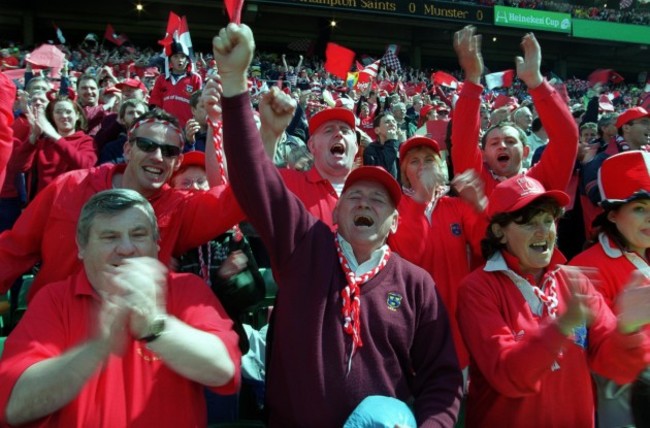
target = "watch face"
x: 158, y: 326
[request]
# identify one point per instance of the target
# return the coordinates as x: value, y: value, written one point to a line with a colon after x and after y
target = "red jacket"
x: 53, y: 158
x: 555, y: 168
x: 447, y: 247
x: 46, y: 230
x: 524, y: 372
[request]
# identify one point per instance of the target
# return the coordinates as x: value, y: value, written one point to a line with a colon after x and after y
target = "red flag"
x: 502, y: 79
x: 604, y: 76
x: 111, y: 36
x: 338, y: 60
x: 234, y: 8
x: 444, y: 79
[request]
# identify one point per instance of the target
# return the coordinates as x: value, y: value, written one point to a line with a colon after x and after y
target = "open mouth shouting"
x: 337, y: 149
x: 503, y: 158
x: 364, y: 221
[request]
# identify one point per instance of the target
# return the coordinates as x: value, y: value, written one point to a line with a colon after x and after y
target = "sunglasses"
x: 150, y: 146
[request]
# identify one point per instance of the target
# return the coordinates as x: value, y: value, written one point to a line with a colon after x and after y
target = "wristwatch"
x: 156, y: 329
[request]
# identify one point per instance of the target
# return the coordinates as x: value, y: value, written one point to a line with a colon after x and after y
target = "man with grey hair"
x: 403, y: 122
x: 122, y: 341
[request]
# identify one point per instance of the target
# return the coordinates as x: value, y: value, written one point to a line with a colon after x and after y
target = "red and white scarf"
x: 217, y: 140
x: 351, y: 302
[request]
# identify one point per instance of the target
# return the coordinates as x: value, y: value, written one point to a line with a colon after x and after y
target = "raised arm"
x: 465, y: 151
x: 276, y: 213
x: 555, y: 168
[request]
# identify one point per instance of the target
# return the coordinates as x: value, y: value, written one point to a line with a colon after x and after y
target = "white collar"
x: 368, y: 265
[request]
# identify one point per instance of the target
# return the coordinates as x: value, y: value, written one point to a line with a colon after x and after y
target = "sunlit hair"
x: 404, y: 163
x: 159, y: 116
x: 492, y: 244
x: 80, y: 124
x: 505, y: 124
x: 111, y: 203
x: 133, y: 103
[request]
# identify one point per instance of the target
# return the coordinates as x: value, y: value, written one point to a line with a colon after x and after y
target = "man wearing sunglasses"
x: 45, y: 230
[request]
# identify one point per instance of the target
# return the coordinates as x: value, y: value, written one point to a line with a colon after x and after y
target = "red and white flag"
x: 370, y: 70
x: 502, y: 79
x: 113, y: 37
x: 441, y: 78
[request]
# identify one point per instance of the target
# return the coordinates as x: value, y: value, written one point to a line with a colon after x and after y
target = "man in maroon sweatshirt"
x: 353, y: 319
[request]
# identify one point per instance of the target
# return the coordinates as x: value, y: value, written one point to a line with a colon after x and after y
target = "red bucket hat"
x: 624, y: 177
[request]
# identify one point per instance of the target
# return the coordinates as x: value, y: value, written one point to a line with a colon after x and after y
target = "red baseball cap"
x: 336, y: 113
x: 132, y: 83
x: 379, y: 175
x: 425, y: 110
x: 417, y: 141
x: 516, y: 192
x: 631, y: 114
x: 624, y: 177
x: 112, y: 90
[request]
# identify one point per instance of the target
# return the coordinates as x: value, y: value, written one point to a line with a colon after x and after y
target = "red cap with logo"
x: 516, y: 192
x: 376, y: 174
x: 624, y: 177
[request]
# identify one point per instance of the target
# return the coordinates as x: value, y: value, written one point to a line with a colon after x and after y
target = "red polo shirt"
x: 315, y: 192
x: 135, y: 389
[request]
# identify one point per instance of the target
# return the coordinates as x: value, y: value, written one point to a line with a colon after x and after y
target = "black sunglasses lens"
x: 146, y: 145
x: 167, y: 150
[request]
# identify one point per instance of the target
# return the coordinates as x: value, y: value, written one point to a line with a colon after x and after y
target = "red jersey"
x: 173, y: 96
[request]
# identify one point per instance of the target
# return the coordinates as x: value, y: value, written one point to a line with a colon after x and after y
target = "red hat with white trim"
x: 624, y: 177
x: 337, y: 113
x: 418, y: 141
x: 516, y: 192
x: 630, y: 115
x: 376, y: 174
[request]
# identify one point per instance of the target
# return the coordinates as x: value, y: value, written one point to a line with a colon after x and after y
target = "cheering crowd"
x: 433, y: 244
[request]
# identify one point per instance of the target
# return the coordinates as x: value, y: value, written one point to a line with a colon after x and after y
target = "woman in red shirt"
x: 56, y: 144
x: 535, y: 329
x: 620, y: 248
